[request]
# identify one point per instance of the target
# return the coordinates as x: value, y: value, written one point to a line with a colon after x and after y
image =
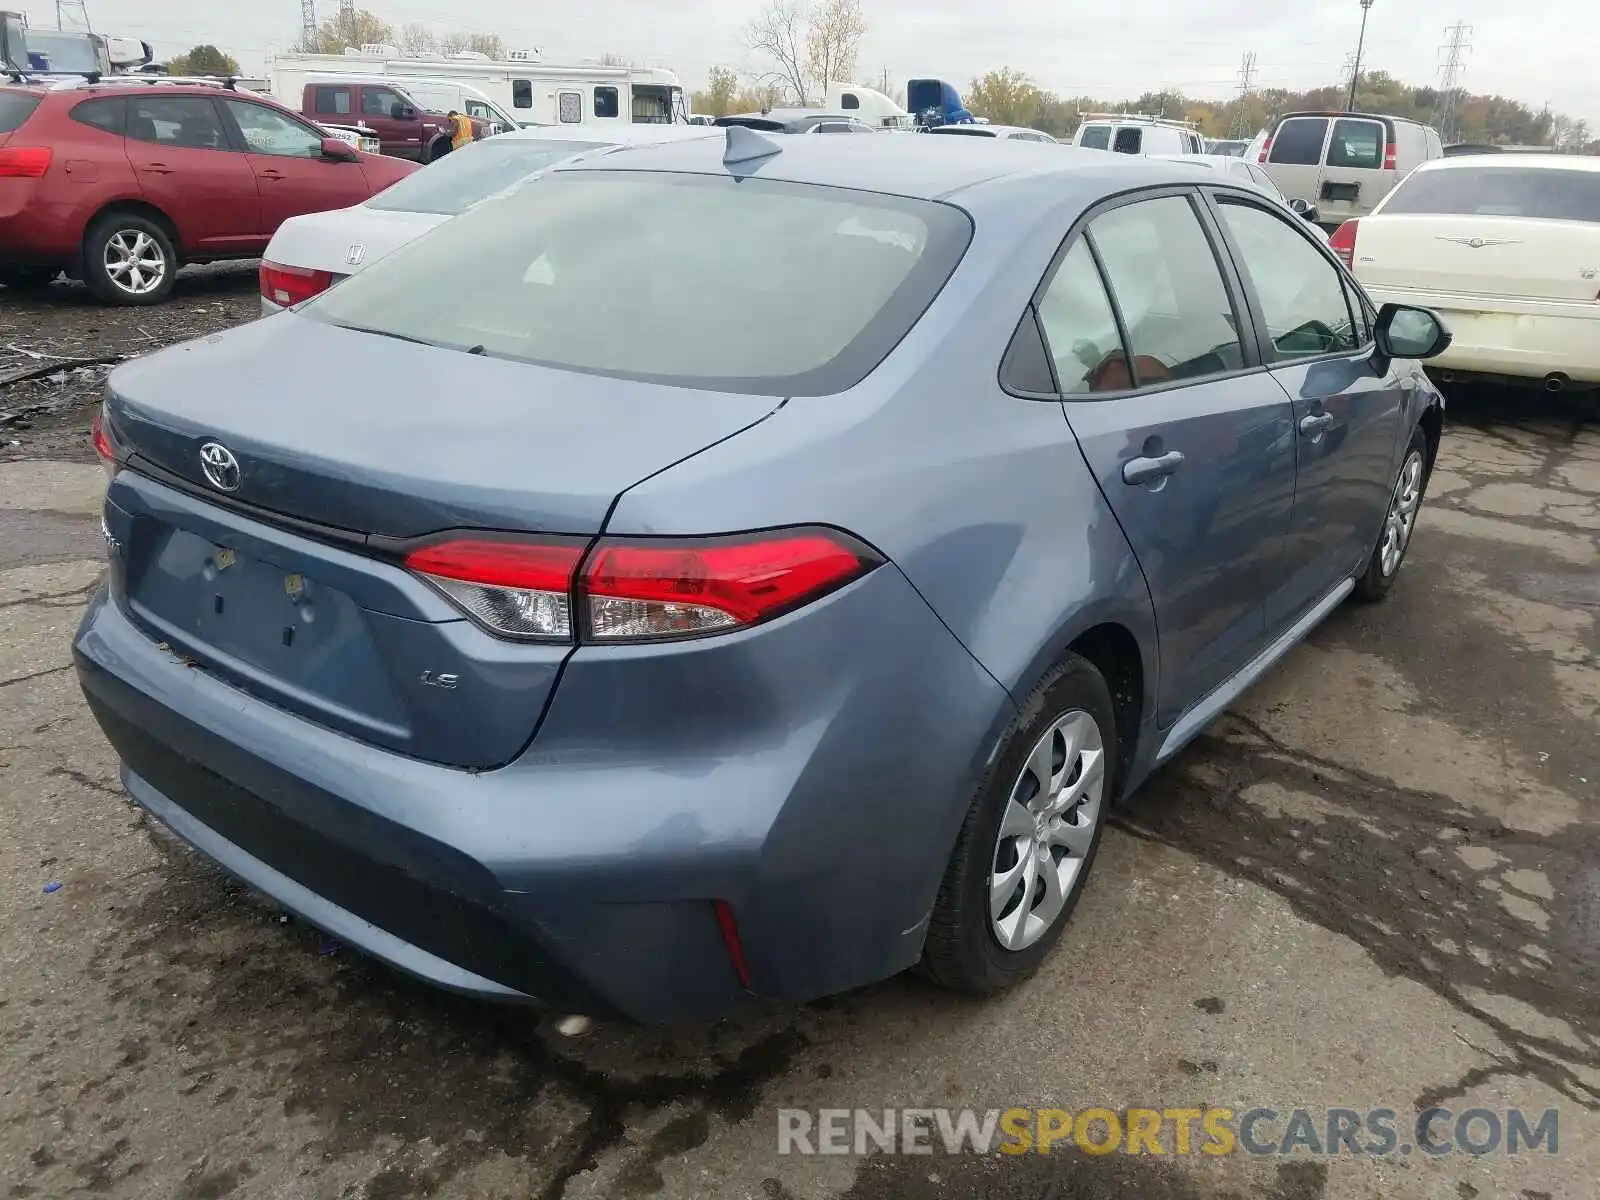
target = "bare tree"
x: 833, y: 42
x: 417, y: 38
x: 780, y: 34
x: 491, y: 44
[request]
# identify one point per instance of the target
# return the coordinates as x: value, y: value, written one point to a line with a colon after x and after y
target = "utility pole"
x: 1355, y: 67
x: 1455, y: 48
x: 308, y: 24
x: 73, y: 14
x: 1247, y: 84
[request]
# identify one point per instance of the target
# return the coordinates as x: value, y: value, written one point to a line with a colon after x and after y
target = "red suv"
x: 119, y: 183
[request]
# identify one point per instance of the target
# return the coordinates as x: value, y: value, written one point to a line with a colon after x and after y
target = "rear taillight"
x: 24, y: 162
x: 1266, y: 149
x: 639, y: 589
x: 104, y: 447
x: 286, y: 286
x: 1343, y: 243
x: 1389, y: 162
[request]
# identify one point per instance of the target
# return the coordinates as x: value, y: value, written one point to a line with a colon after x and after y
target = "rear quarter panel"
x: 88, y: 172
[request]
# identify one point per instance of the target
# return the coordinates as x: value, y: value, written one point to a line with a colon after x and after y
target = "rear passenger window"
x: 1298, y: 142
x: 1096, y: 137
x: 332, y: 102
x: 1129, y: 139
x: 189, y: 122
x: 1080, y: 329
x: 105, y: 115
x: 15, y: 108
x: 1356, y: 144
x: 1301, y: 293
x: 605, y: 102
x: 1166, y: 284
x: 521, y: 93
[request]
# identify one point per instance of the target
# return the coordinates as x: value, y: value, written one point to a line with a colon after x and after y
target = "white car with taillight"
x: 310, y: 253
x: 1506, y: 249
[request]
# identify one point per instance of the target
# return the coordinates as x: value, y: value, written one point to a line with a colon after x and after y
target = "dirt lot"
x: 1376, y: 883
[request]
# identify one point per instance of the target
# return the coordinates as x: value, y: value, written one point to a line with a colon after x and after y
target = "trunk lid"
x: 1511, y: 258
x: 285, y: 588
x: 373, y: 435
x: 327, y: 241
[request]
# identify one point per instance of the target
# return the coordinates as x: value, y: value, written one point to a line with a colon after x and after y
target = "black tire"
x: 20, y: 278
x: 963, y: 949
x: 436, y: 150
x: 1376, y: 580
x: 117, y: 233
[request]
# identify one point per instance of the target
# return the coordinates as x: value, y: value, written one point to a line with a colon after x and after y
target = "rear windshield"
x: 473, y: 173
x: 15, y: 108
x: 740, y: 285
x: 1500, y: 191
x: 1298, y: 142
x: 1096, y: 137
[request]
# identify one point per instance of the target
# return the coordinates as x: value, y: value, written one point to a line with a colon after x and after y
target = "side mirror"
x: 1303, y: 208
x: 1403, y: 331
x: 401, y: 112
x: 339, y: 151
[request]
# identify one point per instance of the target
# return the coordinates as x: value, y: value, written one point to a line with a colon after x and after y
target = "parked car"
x: 1134, y: 133
x: 1228, y: 147
x: 1008, y: 132
x: 796, y: 120
x: 1344, y: 163
x: 1507, y: 248
x: 617, y: 652
x: 405, y: 128
x: 120, y: 183
x: 1251, y: 175
x: 310, y: 254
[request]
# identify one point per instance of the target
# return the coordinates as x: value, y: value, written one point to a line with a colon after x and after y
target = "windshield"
x: 1500, y: 191
x: 473, y: 173
x: 788, y: 289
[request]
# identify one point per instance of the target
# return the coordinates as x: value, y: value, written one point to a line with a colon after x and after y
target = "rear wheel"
x: 437, y: 149
x: 1029, y: 839
x: 129, y: 259
x: 1405, y: 504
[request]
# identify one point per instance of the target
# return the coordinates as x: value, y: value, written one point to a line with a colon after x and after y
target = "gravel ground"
x: 1375, y: 882
x: 65, y: 333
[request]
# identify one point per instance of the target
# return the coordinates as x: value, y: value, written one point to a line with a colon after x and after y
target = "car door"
x: 400, y: 136
x: 1293, y: 156
x: 1190, y: 440
x: 1353, y: 179
x: 292, y: 175
x: 1347, y: 410
x: 188, y: 167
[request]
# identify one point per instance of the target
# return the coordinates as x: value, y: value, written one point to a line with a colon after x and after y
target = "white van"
x: 1134, y: 133
x: 1343, y: 163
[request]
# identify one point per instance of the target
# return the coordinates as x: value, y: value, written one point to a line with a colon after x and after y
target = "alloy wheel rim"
x: 1048, y: 827
x: 1402, y: 517
x: 134, y: 262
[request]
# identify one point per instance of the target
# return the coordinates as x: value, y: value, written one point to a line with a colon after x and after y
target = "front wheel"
x: 1029, y: 839
x: 129, y: 259
x: 1399, y: 523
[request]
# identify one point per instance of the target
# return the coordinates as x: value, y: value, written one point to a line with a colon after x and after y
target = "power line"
x: 1455, y: 49
x: 1247, y: 81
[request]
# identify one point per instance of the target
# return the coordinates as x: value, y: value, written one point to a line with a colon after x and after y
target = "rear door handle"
x: 1316, y: 423
x: 271, y: 175
x: 1148, y: 470
x: 156, y: 169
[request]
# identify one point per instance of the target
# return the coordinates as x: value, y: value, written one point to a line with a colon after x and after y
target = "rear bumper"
x: 1517, y: 344
x: 820, y: 803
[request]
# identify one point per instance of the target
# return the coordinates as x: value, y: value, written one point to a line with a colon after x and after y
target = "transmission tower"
x: 308, y: 23
x: 73, y: 14
x: 1347, y: 72
x: 1247, y: 84
x: 347, y: 9
x: 1455, y: 50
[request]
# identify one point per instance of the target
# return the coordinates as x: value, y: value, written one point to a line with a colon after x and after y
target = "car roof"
x: 1218, y: 162
x: 1510, y: 162
x: 615, y: 135
x: 907, y: 166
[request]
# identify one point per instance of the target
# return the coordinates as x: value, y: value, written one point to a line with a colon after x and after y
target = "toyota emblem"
x: 220, y: 466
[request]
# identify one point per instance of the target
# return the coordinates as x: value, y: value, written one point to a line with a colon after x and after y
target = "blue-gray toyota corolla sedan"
x: 743, y: 568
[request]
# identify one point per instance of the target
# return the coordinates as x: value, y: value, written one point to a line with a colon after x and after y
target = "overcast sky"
x: 1539, y: 51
